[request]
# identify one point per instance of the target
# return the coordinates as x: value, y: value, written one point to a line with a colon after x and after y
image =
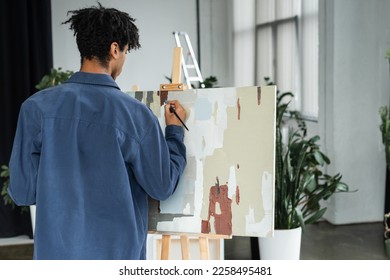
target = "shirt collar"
x: 93, y: 78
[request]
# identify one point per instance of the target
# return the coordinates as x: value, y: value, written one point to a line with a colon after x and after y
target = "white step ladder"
x: 190, y: 66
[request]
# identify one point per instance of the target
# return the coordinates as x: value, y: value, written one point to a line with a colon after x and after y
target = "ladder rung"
x: 190, y: 66
x: 195, y: 79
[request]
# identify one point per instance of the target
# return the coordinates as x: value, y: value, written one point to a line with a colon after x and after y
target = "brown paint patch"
x: 206, y: 226
x: 220, y: 208
x: 238, y: 195
x: 163, y: 96
x: 258, y: 96
x: 238, y: 108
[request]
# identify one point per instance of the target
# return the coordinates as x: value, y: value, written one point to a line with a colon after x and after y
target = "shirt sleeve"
x: 25, y: 156
x: 160, y: 160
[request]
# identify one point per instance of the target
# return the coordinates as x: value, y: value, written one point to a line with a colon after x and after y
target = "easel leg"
x: 176, y: 70
x: 165, y: 247
x: 185, y: 247
x: 204, y: 248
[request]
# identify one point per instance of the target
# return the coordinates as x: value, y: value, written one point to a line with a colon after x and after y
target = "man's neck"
x: 93, y: 66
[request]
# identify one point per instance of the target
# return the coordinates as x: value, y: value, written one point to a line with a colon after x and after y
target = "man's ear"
x: 114, y: 50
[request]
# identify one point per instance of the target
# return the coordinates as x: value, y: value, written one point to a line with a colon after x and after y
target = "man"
x: 89, y: 155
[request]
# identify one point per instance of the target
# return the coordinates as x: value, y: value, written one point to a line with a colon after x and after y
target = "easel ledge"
x: 207, y: 235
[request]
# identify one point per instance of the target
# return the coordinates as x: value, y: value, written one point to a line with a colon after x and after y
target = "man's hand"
x: 170, y: 117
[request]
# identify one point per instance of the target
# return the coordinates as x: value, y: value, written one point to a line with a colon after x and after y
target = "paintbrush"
x: 172, y: 110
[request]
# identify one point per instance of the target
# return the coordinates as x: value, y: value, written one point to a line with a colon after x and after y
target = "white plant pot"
x: 284, y: 245
x: 32, y: 213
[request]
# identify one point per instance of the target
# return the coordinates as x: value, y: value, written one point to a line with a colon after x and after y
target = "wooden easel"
x: 177, y: 85
x: 185, y: 244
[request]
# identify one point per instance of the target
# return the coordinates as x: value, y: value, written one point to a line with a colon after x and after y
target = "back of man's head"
x: 97, y: 27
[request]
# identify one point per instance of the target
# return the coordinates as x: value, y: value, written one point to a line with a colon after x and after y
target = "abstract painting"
x: 228, y: 185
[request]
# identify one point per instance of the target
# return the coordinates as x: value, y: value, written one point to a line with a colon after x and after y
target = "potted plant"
x: 300, y: 180
x: 55, y: 77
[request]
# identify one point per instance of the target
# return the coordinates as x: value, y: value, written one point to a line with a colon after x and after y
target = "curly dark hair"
x: 97, y: 27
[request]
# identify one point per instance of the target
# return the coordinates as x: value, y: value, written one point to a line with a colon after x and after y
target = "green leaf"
x: 55, y: 77
x: 210, y: 82
x: 310, y: 183
x: 316, y: 216
x: 319, y: 158
x: 342, y: 187
x: 299, y: 215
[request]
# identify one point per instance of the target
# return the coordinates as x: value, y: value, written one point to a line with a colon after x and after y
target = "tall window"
x: 284, y: 36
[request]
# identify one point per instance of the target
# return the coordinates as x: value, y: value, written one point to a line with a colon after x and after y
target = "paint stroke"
x: 220, y: 208
x: 203, y: 109
x: 265, y: 225
x: 163, y: 96
x: 238, y: 108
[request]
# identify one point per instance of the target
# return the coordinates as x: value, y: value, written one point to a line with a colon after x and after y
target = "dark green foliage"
x: 300, y: 182
x: 55, y: 77
x: 210, y: 82
x: 4, y: 174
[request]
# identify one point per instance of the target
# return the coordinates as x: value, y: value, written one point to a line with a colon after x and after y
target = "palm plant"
x: 300, y: 182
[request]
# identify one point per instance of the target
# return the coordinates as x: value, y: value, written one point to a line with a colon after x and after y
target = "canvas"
x: 228, y: 184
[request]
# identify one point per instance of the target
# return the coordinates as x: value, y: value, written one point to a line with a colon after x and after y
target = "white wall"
x: 216, y: 41
x: 156, y: 20
x: 354, y: 84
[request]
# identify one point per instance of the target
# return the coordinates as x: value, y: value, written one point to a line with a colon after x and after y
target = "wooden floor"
x: 16, y: 252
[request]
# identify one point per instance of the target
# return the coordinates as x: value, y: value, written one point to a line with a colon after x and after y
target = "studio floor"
x: 321, y: 241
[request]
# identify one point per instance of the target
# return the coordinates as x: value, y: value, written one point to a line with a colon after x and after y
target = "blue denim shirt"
x: 89, y: 156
